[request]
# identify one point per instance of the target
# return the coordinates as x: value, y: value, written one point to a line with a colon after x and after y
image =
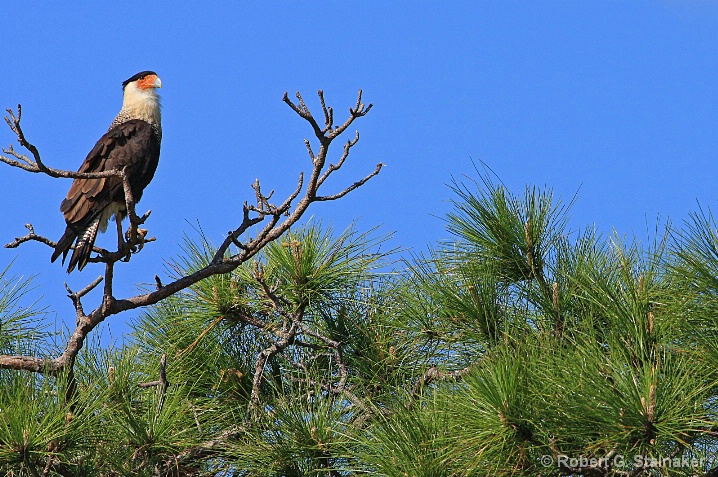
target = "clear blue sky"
x: 615, y: 100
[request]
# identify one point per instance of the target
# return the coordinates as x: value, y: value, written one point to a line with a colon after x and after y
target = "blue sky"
x: 617, y: 101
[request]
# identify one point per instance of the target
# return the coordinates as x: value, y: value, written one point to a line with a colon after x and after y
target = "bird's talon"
x: 141, y: 234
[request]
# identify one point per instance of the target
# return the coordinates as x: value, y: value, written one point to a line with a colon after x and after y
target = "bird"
x: 132, y: 143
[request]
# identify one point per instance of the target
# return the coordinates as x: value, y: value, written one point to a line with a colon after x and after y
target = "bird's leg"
x: 120, y: 238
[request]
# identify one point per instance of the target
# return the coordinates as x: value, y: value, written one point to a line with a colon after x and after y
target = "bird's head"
x: 144, y: 80
x: 140, y: 93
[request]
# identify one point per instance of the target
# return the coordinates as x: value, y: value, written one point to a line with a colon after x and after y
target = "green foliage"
x: 38, y: 424
x: 21, y: 327
x: 504, y: 352
x: 409, y: 442
x: 304, y: 433
x: 514, y: 235
x: 312, y: 266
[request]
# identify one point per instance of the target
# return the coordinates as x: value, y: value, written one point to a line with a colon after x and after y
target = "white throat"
x: 141, y: 104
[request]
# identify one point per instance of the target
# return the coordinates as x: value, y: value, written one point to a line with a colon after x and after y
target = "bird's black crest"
x: 139, y: 75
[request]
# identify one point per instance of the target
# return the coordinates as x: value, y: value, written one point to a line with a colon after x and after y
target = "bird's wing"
x: 124, y: 145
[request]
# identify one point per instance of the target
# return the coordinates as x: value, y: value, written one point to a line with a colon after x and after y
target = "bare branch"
x: 89, y: 287
x: 357, y: 112
x: 103, y: 255
x: 279, y: 302
x: 263, y: 211
x: 347, y: 147
x: 205, y: 449
x: 287, y: 203
x: 309, y: 150
x: 30, y: 363
x: 357, y: 184
x: 26, y: 163
x: 37, y: 166
x: 303, y: 111
x: 16, y: 154
x: 328, y: 113
x: 31, y: 236
x: 76, y: 297
x: 108, y: 297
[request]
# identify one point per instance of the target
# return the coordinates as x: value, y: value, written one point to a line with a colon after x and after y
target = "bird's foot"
x: 141, y: 235
x: 138, y: 243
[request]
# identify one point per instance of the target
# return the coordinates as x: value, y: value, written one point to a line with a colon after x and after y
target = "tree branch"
x: 36, y: 165
x: 356, y: 185
x: 220, y: 264
x: 434, y: 374
x: 162, y: 381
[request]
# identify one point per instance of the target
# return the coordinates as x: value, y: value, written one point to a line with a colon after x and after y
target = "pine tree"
x: 518, y: 347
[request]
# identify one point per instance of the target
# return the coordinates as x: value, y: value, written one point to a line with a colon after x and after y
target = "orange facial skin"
x: 149, y: 81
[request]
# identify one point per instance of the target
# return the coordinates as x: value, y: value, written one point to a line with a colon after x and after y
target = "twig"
x: 37, y: 166
x: 357, y: 184
x: 76, y: 297
x: 328, y: 113
x: 347, y: 147
x: 434, y: 374
x: 201, y: 335
x: 162, y: 381
x: 31, y: 236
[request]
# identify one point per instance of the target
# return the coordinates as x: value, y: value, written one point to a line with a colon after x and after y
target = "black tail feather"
x: 64, y: 244
x: 83, y: 246
x: 85, y: 235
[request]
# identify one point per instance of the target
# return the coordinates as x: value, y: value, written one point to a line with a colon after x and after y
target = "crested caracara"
x: 132, y: 143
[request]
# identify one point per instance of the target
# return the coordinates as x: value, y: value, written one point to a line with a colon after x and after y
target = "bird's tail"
x: 64, y: 244
x: 83, y: 246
